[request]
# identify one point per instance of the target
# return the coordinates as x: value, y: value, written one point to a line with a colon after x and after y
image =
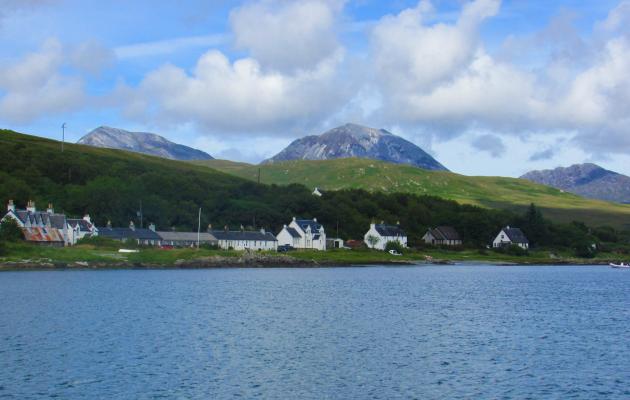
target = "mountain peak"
x: 354, y: 140
x: 141, y: 142
x: 588, y: 180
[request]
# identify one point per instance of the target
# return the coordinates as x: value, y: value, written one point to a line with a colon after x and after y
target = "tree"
x: 394, y: 245
x: 10, y: 231
x: 3, y: 248
x: 372, y: 240
x: 535, y: 226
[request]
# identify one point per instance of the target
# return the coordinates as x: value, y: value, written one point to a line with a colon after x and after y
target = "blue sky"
x: 488, y: 87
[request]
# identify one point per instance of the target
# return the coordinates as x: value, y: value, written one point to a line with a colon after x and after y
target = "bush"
x: 99, y: 241
x: 394, y: 246
x: 585, y: 250
x: 512, y: 250
x: 208, y: 246
x: 3, y: 248
x: 10, y: 231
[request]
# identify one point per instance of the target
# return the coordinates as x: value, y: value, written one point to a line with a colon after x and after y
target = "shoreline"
x: 229, y: 263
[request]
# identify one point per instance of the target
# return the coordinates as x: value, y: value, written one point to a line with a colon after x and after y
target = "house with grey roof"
x: 303, y: 234
x: 82, y: 227
x: 186, y: 239
x: 142, y: 236
x: 41, y: 227
x: 245, y: 240
x: 511, y: 236
x: 379, y: 235
x: 442, y: 236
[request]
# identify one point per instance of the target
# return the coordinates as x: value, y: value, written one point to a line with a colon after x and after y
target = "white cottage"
x: 42, y: 227
x: 380, y: 234
x: 303, y: 234
x: 82, y: 227
x: 245, y: 240
x: 509, y: 236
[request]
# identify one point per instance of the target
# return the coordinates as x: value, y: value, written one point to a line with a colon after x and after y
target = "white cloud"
x: 168, y: 46
x: 34, y: 85
x: 286, y: 35
x: 239, y: 96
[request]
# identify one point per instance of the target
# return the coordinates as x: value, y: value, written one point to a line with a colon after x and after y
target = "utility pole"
x: 140, y: 213
x: 199, y: 228
x: 259, y: 176
x: 63, y: 135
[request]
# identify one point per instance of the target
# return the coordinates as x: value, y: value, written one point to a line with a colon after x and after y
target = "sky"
x: 488, y: 87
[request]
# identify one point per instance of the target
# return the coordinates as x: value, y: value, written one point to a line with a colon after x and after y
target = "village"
x: 49, y: 228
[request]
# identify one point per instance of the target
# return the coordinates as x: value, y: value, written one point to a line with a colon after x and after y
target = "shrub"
x: 512, y: 250
x: 585, y: 250
x: 10, y: 231
x: 99, y: 241
x: 3, y: 248
x: 394, y: 246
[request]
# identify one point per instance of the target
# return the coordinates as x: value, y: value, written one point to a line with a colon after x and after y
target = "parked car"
x: 284, y: 248
x: 394, y: 253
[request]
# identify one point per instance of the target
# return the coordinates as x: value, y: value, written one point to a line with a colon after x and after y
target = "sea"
x: 377, y: 332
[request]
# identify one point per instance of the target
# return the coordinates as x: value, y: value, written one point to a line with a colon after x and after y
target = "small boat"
x: 128, y: 251
x: 620, y: 265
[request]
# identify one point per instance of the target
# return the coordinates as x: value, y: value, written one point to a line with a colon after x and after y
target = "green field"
x: 490, y: 192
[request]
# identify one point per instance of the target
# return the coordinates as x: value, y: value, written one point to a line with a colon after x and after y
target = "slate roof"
x: 304, y: 223
x: 84, y: 226
x: 293, y: 232
x: 389, y: 230
x: 41, y: 218
x: 128, y: 233
x: 445, y: 233
x: 186, y: 236
x: 515, y: 235
x: 244, y: 235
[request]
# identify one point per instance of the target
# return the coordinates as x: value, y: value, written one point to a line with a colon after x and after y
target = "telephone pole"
x: 63, y: 135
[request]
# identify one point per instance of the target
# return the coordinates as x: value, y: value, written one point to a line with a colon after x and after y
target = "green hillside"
x: 490, y: 192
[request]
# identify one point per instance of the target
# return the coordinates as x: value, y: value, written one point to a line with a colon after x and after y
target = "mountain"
x: 378, y: 176
x: 588, y: 180
x: 141, y: 142
x: 352, y: 140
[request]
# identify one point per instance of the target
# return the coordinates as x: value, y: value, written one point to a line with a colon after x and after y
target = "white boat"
x: 128, y: 251
x: 620, y: 265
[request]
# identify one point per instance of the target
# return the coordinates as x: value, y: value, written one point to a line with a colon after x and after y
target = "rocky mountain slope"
x: 351, y: 140
x: 588, y: 180
x: 141, y: 142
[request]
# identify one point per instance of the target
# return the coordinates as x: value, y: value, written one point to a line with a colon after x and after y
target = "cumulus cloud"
x: 490, y: 144
x: 543, y: 155
x: 34, y: 85
x: 286, y: 36
x: 240, y: 96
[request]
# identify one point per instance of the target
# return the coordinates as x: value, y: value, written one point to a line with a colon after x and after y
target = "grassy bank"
x: 29, y: 256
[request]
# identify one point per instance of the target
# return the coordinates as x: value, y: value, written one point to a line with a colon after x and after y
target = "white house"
x: 508, y: 236
x: 245, y: 240
x: 82, y: 227
x: 380, y: 234
x: 42, y: 227
x: 303, y: 234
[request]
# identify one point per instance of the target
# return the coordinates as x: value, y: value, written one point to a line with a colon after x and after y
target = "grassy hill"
x: 489, y: 192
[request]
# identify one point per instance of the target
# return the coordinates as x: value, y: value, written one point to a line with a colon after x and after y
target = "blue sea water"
x: 435, y: 332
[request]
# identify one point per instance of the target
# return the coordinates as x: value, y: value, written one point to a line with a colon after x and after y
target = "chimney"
x: 225, y: 228
x: 398, y: 223
x: 372, y: 225
x: 87, y: 218
x: 109, y: 224
x: 209, y: 228
x: 132, y: 226
x: 262, y: 230
x: 242, y: 228
x: 293, y: 219
x: 285, y: 225
x: 10, y: 206
x: 382, y: 222
x: 30, y: 207
x: 314, y: 219
x: 152, y: 227
x: 50, y: 209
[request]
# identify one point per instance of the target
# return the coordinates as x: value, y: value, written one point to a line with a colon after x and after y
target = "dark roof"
x: 316, y: 237
x: 186, y: 236
x: 41, y: 218
x: 293, y: 232
x: 445, y: 233
x: 83, y: 224
x: 128, y: 233
x: 389, y: 230
x: 244, y: 235
x: 304, y: 223
x: 515, y: 235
